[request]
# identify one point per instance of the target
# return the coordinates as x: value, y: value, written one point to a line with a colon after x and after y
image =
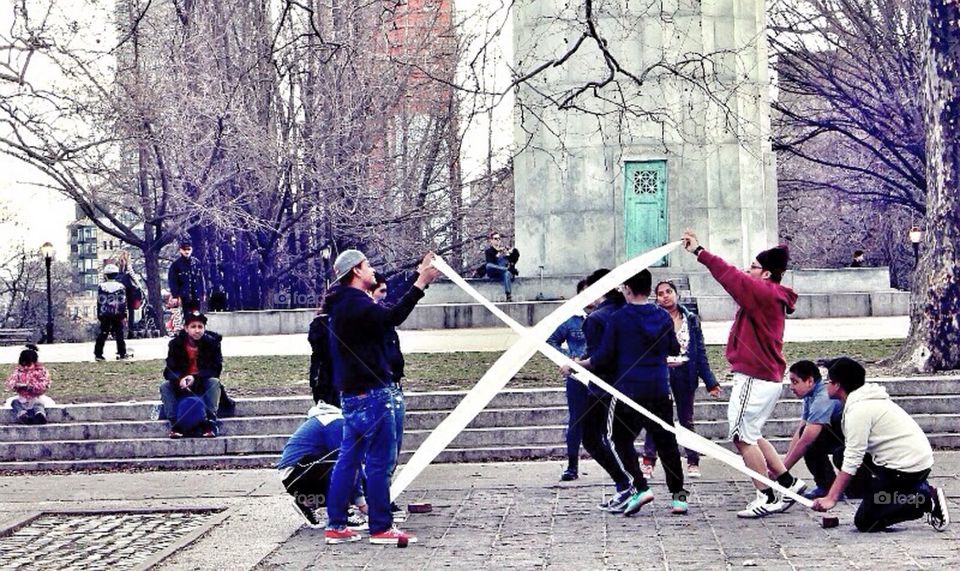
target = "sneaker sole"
x: 391, y: 541
x: 758, y: 515
x: 332, y: 541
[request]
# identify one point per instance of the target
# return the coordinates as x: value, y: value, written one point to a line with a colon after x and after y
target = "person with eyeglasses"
x: 755, y: 353
x: 498, y: 260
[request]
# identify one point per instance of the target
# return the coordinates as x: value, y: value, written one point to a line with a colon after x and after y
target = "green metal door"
x: 645, y: 206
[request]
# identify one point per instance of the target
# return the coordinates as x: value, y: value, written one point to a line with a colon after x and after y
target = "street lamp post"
x: 47, y: 252
x: 325, y: 253
x: 916, y: 235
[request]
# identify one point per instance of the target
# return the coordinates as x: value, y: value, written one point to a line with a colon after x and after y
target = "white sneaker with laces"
x: 798, y: 487
x: 761, y: 507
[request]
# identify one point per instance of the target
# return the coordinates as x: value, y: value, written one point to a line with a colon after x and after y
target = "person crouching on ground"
x: 686, y: 370
x: 194, y: 364
x: 900, y: 456
x: 30, y: 380
x: 363, y: 374
x: 307, y: 462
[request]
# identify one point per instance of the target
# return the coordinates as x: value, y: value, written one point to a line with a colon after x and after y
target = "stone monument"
x: 629, y: 165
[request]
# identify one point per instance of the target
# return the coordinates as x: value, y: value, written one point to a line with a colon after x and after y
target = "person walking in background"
x: 111, y: 312
x: 571, y: 333
x: 30, y: 380
x: 686, y: 370
x: 185, y: 279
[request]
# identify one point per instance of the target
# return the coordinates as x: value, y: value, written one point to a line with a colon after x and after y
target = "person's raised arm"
x: 741, y: 287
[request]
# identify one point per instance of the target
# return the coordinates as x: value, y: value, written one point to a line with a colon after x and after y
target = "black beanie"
x: 775, y: 259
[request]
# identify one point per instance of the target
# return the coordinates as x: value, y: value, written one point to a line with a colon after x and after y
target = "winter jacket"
x: 593, y: 327
x: 186, y: 280
x: 209, y: 358
x: 361, y: 328
x: 636, y: 342
x: 755, y: 345
x: 321, y: 363
x: 697, y: 367
x: 29, y: 382
x: 111, y: 299
x: 873, y: 424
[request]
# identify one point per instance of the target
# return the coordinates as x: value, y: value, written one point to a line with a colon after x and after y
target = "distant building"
x: 91, y: 249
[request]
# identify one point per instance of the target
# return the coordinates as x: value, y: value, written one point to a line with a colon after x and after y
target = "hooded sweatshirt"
x: 874, y: 424
x: 755, y: 345
x: 636, y: 342
x: 361, y: 335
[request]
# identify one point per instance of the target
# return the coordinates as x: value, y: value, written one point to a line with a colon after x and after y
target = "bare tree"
x: 934, y: 340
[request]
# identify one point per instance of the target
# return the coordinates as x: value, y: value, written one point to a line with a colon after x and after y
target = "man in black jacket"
x: 194, y: 364
x: 363, y: 373
x: 186, y: 279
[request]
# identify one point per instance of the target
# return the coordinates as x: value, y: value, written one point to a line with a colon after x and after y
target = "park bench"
x: 16, y: 336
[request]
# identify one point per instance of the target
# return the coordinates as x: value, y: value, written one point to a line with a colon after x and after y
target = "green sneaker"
x: 637, y: 501
x: 679, y: 507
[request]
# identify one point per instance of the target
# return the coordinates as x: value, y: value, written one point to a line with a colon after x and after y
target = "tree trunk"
x: 934, y: 340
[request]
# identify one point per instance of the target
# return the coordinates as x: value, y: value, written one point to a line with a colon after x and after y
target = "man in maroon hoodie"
x: 755, y: 352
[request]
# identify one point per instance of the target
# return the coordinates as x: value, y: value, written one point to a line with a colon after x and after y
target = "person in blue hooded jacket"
x: 636, y: 343
x: 686, y: 370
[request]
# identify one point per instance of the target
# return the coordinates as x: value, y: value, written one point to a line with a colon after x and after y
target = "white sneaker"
x: 760, y: 507
x: 798, y: 488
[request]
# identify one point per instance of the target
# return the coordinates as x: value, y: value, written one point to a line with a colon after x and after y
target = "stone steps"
x: 518, y: 424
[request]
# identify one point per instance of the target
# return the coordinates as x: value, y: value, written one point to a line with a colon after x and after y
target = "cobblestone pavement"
x: 553, y: 526
x: 91, y: 542
x: 504, y: 515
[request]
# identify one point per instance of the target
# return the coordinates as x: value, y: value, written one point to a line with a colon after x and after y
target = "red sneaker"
x: 334, y: 536
x: 392, y: 536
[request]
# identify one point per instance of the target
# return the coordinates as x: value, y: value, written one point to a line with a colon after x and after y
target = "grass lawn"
x: 113, y: 381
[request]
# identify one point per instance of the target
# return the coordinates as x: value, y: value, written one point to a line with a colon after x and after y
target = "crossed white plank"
x: 534, y: 339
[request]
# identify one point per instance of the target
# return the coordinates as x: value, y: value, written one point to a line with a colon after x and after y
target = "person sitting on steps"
x: 194, y: 364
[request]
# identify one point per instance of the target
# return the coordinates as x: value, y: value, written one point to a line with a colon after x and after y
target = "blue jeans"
x: 576, y: 406
x: 502, y: 274
x: 370, y: 439
x: 399, y: 412
x: 207, y: 389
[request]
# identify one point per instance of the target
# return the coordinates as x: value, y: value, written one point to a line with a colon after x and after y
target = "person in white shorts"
x: 755, y: 352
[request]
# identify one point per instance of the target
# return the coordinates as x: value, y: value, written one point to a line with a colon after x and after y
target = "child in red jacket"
x: 29, y: 380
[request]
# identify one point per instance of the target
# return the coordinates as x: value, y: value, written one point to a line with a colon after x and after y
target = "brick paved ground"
x: 520, y: 525
x: 494, y: 516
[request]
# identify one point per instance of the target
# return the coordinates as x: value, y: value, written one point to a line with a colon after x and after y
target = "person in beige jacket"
x: 891, y: 445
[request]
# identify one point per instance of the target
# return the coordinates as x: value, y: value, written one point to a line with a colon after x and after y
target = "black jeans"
x: 824, y: 453
x: 627, y: 426
x: 892, y: 497
x: 110, y: 324
x: 596, y: 441
x: 683, y: 395
x: 310, y: 478
x: 576, y: 402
